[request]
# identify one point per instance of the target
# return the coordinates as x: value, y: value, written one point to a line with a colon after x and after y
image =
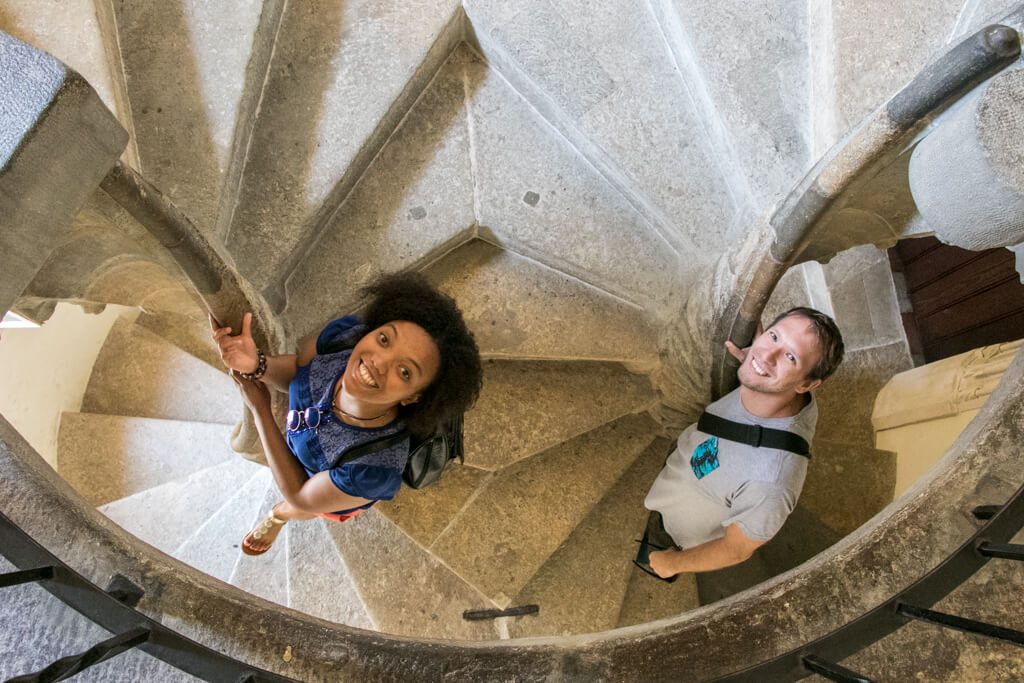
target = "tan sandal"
x: 262, y: 529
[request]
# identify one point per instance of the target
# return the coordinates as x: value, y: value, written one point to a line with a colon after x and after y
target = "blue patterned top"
x: 375, y: 476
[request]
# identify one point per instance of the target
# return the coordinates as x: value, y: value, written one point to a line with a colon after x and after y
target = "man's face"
x: 781, y: 357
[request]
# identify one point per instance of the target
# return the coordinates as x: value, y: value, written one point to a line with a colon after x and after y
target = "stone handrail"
x: 848, y: 166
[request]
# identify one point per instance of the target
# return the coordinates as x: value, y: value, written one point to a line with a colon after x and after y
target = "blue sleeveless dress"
x: 375, y: 476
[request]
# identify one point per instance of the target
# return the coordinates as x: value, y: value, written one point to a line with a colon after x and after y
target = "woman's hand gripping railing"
x: 206, y: 270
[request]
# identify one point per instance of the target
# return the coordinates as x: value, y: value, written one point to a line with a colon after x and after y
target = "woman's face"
x: 392, y: 364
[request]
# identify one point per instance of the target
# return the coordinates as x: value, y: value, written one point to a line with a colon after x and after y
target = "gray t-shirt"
x: 709, y: 483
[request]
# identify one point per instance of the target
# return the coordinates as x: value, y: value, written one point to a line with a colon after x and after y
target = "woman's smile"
x: 366, y: 376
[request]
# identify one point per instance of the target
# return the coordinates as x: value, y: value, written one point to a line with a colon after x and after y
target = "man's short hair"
x: 829, y: 338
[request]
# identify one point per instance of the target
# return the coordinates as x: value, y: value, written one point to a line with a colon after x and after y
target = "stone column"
x: 57, y: 141
x: 967, y: 177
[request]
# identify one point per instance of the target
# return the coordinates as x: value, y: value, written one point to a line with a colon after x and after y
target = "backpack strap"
x: 754, y: 435
x: 372, y: 446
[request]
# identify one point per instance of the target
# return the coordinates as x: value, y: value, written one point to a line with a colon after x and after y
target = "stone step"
x: 140, y: 374
x: 581, y: 586
x: 520, y: 516
x: 847, y: 485
x: 190, y: 333
x: 184, y: 67
x: 802, y: 537
x: 752, y: 93
x: 265, y: 575
x: 859, y: 62
x: 70, y: 32
x: 215, y: 546
x: 647, y: 599
x: 406, y: 589
x: 166, y: 515
x: 319, y: 581
x: 413, y: 203
x: 518, y: 308
x: 110, y: 457
x: 544, y: 404
x: 606, y: 82
x: 336, y: 89
x: 425, y: 513
x: 539, y: 195
x: 38, y: 629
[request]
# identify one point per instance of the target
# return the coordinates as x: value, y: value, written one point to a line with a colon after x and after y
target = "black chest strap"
x: 754, y: 435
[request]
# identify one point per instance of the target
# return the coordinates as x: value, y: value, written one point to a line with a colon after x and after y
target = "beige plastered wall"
x: 44, y: 371
x: 919, y: 413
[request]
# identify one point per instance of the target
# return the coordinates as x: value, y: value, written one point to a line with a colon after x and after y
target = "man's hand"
x: 237, y: 352
x: 738, y: 353
x: 661, y: 563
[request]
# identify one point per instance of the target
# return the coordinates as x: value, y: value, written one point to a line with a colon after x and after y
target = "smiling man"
x: 720, y: 499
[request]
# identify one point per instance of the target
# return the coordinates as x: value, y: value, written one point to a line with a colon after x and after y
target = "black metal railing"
x: 912, y: 604
x: 113, y: 609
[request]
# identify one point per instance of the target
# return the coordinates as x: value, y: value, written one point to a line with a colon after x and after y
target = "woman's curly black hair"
x: 406, y: 295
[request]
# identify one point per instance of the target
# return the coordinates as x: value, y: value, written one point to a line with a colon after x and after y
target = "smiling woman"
x: 409, y: 363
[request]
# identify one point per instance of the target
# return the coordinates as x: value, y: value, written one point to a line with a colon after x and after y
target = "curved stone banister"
x: 902, y: 544
x: 850, y: 164
x: 209, y: 271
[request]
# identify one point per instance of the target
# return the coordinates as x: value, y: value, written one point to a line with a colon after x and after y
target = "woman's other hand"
x: 238, y: 352
x: 254, y: 392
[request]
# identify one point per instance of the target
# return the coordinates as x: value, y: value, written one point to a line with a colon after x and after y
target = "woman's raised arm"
x: 240, y: 354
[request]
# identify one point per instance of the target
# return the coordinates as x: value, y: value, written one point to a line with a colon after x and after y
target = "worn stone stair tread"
x: 847, y: 485
x: 588, y: 71
x: 518, y: 308
x: 140, y: 374
x: 184, y: 71
x: 407, y: 590
x: 753, y: 95
x: 425, y: 513
x: 319, y: 581
x: 414, y: 202
x: 581, y: 586
x: 325, y: 113
x: 647, y: 599
x: 38, y: 629
x: 70, y: 32
x: 166, y: 515
x: 538, y: 194
x: 109, y: 457
x: 544, y: 403
x: 190, y: 333
x: 265, y: 575
x: 215, y: 546
x: 802, y: 537
x: 522, y: 514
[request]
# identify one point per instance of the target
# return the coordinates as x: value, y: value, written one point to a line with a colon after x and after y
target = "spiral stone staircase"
x: 575, y: 176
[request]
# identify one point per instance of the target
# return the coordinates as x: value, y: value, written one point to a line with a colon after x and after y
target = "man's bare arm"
x: 733, y: 548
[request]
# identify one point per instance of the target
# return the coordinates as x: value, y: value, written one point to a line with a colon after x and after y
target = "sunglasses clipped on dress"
x: 309, y: 418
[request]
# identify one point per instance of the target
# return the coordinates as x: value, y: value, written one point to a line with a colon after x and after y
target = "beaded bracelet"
x: 261, y: 367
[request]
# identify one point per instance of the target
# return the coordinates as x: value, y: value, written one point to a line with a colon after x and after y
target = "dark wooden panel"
x: 992, y: 304
x: 995, y: 332
x: 911, y: 249
x: 937, y: 262
x: 988, y: 270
